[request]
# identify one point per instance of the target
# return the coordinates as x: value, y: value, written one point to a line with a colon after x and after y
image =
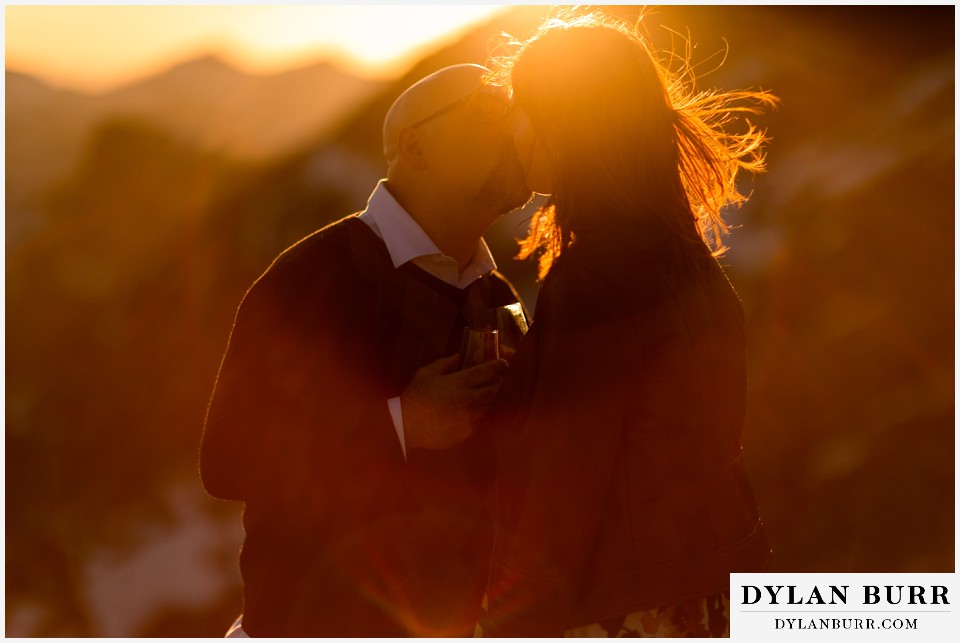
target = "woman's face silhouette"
x: 532, y: 152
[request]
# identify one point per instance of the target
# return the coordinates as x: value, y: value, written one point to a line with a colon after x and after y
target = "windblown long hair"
x: 636, y: 149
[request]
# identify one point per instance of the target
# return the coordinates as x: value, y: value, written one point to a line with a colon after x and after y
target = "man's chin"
x: 523, y: 199
x: 503, y: 195
x: 518, y: 195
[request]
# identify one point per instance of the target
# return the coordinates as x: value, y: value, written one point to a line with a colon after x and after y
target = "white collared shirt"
x: 407, y: 242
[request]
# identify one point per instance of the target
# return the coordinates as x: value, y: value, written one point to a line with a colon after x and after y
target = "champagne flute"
x: 512, y: 326
x: 478, y: 345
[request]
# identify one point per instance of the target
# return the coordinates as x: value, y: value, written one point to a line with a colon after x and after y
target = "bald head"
x: 427, y: 96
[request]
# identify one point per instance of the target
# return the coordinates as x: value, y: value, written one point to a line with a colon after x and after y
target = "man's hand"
x: 443, y: 406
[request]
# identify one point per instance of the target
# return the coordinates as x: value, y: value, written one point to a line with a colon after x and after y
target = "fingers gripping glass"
x: 485, y: 107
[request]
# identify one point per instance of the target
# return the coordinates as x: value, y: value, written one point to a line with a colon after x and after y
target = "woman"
x: 623, y: 504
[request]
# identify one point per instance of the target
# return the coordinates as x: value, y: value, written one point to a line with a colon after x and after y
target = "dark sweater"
x: 344, y: 537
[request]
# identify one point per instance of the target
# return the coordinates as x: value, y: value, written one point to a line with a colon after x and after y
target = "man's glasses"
x: 487, y: 108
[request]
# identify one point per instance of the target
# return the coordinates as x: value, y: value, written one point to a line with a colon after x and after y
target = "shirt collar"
x: 406, y: 240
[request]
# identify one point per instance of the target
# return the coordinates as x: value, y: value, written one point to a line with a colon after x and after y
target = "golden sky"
x: 94, y: 48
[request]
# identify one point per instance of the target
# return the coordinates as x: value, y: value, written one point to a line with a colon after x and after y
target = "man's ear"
x: 411, y: 149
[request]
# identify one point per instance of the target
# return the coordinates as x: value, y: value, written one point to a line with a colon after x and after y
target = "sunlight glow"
x: 99, y: 47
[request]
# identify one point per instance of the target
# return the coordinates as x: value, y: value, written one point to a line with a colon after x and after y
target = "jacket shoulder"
x: 320, y: 246
x: 317, y: 259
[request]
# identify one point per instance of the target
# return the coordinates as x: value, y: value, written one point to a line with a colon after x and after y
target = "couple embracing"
x: 592, y: 486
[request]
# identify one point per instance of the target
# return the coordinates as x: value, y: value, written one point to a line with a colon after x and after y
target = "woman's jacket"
x: 620, y: 475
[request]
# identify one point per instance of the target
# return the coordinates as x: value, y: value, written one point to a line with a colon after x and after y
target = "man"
x: 340, y: 417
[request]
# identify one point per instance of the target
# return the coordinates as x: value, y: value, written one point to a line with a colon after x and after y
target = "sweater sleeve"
x: 295, y: 410
x: 556, y: 468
